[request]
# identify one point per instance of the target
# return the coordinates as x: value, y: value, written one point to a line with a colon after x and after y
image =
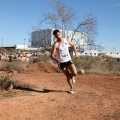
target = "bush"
x: 5, y: 81
x: 15, y: 65
x: 85, y: 62
x: 41, y: 58
x: 96, y: 65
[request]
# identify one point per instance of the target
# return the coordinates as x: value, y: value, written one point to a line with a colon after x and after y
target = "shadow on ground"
x: 41, y: 90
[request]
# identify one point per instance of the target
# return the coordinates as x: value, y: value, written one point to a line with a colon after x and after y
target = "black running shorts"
x: 64, y: 64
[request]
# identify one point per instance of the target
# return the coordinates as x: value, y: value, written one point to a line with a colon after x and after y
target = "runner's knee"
x: 68, y: 77
x: 75, y: 74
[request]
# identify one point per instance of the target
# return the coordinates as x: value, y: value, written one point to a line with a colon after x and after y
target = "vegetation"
x: 108, y: 66
x: 5, y: 82
x: 8, y: 82
x: 41, y: 58
x: 15, y: 65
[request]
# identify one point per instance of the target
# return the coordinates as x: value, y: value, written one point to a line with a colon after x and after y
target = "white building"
x: 41, y: 38
x: 93, y: 53
x: 113, y: 54
x: 21, y: 47
x: 26, y: 47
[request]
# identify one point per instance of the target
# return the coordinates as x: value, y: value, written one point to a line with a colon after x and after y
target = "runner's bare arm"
x: 73, y: 46
x: 53, y: 53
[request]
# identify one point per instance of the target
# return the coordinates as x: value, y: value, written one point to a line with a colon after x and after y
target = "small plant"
x: 5, y: 82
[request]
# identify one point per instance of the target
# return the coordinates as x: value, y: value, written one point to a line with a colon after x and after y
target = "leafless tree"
x: 62, y: 17
x: 88, y: 26
x: 51, y: 19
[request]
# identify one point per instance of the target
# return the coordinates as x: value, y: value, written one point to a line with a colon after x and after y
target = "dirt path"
x: 96, y: 97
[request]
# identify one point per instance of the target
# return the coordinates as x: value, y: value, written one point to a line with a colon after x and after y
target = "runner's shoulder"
x: 55, y: 44
x: 68, y: 40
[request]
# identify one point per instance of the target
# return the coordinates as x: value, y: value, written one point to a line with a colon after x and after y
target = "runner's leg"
x: 66, y: 72
x: 72, y: 69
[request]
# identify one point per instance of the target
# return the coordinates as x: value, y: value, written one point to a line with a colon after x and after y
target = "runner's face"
x: 58, y: 35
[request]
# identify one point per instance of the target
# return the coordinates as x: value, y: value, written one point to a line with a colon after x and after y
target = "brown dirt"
x: 96, y: 97
x: 43, y: 67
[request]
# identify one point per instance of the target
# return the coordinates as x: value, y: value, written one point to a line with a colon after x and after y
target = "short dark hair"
x: 55, y: 32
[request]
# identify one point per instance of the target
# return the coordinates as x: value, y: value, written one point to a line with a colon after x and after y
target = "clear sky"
x: 18, y: 16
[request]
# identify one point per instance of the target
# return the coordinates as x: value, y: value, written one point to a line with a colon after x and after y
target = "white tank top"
x: 63, y: 53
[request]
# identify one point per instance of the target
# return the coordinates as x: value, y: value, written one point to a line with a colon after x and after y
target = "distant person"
x: 61, y: 48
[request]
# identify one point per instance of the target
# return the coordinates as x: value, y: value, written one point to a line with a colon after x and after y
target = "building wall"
x: 42, y: 37
x: 93, y: 53
x: 96, y: 53
x: 22, y: 47
x: 113, y: 54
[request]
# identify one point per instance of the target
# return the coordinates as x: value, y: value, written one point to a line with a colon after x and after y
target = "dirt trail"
x: 96, y: 97
x: 43, y: 67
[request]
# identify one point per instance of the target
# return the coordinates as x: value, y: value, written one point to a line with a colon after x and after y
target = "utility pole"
x: 2, y: 43
x: 24, y: 43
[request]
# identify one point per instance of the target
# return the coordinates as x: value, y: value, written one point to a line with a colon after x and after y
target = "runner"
x: 63, y: 59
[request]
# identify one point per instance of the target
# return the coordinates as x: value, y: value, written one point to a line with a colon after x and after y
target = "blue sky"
x: 18, y: 16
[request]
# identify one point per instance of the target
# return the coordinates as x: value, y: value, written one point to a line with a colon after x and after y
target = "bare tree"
x: 51, y: 19
x: 88, y: 26
x: 62, y: 17
x: 89, y: 29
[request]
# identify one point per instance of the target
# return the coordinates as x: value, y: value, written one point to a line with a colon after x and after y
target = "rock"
x: 81, y: 72
x: 10, y: 85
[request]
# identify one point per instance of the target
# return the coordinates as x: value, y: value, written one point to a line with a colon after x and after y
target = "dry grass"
x: 5, y: 82
x: 41, y: 58
x: 15, y: 65
x: 109, y: 66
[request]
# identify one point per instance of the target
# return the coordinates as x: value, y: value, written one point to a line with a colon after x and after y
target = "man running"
x: 61, y: 48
